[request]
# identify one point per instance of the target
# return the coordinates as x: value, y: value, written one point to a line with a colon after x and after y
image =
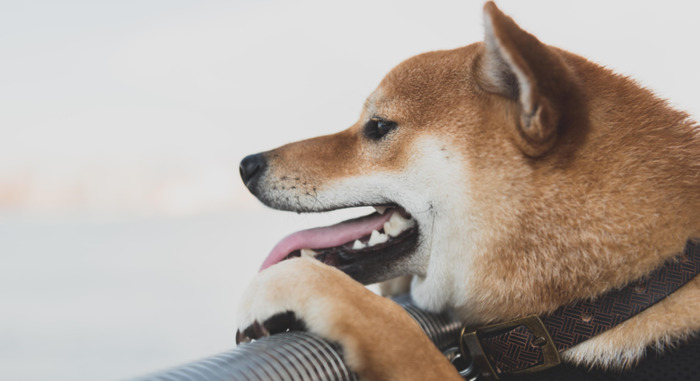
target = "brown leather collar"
x: 533, y: 343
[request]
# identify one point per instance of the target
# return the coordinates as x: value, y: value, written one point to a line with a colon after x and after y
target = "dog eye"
x: 376, y: 128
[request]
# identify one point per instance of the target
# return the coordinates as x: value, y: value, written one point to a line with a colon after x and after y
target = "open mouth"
x: 370, y: 249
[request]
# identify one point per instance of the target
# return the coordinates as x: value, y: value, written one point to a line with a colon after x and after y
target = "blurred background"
x: 126, y: 237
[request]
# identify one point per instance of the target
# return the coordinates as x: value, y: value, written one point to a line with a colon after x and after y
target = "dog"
x: 510, y: 178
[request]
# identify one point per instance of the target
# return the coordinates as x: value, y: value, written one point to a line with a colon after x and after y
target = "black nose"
x: 252, y: 166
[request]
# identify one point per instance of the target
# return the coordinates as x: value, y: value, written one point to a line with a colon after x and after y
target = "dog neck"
x: 534, y: 343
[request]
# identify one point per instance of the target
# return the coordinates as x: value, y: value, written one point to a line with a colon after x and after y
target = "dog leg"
x: 379, y: 339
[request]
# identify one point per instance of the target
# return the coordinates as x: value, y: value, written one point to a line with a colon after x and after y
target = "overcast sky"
x: 125, y: 106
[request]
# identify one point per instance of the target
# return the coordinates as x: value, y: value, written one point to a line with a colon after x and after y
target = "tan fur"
x: 349, y: 314
x: 583, y: 185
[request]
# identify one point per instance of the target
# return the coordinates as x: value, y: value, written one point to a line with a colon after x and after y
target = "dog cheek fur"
x: 442, y: 181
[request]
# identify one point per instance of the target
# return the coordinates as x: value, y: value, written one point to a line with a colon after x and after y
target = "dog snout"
x: 251, y: 168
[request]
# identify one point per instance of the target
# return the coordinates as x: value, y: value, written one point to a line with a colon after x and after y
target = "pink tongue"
x: 329, y: 236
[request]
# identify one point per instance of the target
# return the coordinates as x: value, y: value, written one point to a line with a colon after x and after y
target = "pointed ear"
x: 518, y: 66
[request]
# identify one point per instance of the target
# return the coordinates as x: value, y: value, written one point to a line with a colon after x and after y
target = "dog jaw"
x: 440, y: 211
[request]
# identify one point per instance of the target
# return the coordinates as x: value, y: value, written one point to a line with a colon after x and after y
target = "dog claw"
x: 253, y: 332
x: 241, y: 338
x: 260, y: 330
x: 278, y: 323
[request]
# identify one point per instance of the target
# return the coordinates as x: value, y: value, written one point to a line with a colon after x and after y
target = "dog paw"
x: 286, y: 296
x: 379, y: 340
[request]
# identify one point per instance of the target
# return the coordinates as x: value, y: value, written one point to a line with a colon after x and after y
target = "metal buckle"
x: 469, y: 339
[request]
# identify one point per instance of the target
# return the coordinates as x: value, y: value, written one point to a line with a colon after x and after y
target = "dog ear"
x: 518, y: 66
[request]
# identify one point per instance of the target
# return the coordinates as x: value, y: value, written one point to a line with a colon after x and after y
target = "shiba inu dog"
x: 510, y: 178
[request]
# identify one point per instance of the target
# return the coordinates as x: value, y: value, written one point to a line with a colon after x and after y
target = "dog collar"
x: 533, y: 343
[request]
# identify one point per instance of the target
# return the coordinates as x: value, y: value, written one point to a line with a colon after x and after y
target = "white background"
x: 126, y: 237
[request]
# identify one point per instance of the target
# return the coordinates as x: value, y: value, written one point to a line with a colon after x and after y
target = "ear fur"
x: 518, y: 66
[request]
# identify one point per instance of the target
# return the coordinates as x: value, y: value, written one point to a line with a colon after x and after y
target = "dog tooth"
x: 397, y: 224
x: 391, y: 229
x: 357, y: 245
x: 377, y: 238
x: 308, y: 253
x: 380, y: 209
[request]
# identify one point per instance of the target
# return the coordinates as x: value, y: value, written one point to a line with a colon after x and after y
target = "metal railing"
x: 298, y: 355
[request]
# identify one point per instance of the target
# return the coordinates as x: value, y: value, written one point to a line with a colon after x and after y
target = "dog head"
x: 501, y: 167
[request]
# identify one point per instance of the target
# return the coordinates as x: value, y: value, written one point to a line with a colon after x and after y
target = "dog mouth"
x: 370, y: 249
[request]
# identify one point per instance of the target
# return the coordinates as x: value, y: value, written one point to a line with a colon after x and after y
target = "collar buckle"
x: 470, y: 343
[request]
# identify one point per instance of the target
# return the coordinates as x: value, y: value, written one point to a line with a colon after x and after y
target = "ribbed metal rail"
x: 297, y: 356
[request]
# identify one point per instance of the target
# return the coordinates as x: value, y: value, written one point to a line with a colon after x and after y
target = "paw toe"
x: 281, y: 322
